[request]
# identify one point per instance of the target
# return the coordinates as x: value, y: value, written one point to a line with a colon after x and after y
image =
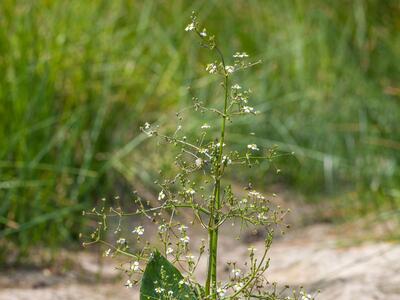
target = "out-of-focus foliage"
x: 78, y: 77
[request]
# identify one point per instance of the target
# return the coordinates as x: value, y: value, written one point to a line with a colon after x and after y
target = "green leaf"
x: 161, y: 274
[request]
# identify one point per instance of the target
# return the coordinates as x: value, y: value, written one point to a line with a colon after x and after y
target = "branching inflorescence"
x: 199, y: 189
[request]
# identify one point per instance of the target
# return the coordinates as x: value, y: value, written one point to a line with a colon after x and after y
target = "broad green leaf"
x: 161, y: 278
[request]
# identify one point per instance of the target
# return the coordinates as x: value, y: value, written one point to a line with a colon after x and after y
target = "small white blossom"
x: 236, y: 87
x: 185, y: 239
x: 182, y: 228
x: 161, y: 196
x: 169, y: 250
x: 190, y: 27
x: 238, y: 286
x: 203, y: 33
x: 221, y: 292
x: 162, y: 228
x: 236, y: 272
x: 139, y: 230
x: 121, y: 241
x: 170, y: 293
x: 150, y: 133
x: 190, y: 257
x: 256, y: 195
x: 146, y: 125
x: 229, y: 69
x: 240, y: 55
x: 261, y: 216
x: 252, y: 249
x: 135, y: 266
x: 248, y: 109
x: 203, y: 150
x: 159, y: 290
x: 205, y: 126
x: 190, y: 191
x: 199, y: 162
x: 226, y: 159
x: 211, y: 68
x: 305, y: 296
x: 107, y: 252
x: 129, y: 284
x: 253, y: 147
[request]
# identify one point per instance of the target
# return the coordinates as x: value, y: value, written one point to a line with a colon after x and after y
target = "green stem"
x: 211, y: 283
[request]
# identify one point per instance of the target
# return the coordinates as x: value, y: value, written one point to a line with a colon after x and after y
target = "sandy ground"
x: 314, y: 257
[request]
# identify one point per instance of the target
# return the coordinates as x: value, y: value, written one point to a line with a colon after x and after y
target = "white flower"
x: 170, y: 293
x: 190, y: 257
x: 256, y: 195
x: 236, y: 272
x: 240, y: 55
x: 199, y: 162
x: 135, y: 266
x: 305, y: 296
x: 107, y: 252
x: 203, y: 150
x: 129, y: 284
x: 211, y: 68
x: 190, y: 191
x: 229, y: 69
x: 205, y: 126
x: 121, y: 241
x: 190, y: 27
x: 182, y: 228
x: 159, y: 290
x: 146, y: 125
x: 185, y: 239
x: 162, y: 228
x: 236, y: 87
x: 139, y: 230
x: 221, y: 292
x: 161, y: 195
x: 169, y: 250
x: 248, y: 109
x: 253, y: 147
x: 261, y: 216
x: 203, y: 33
x: 226, y: 159
x: 238, y: 286
x: 252, y: 249
x: 150, y: 133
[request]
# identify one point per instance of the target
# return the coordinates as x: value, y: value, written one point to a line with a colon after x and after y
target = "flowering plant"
x: 200, y: 190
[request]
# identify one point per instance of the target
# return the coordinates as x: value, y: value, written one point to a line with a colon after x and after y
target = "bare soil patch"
x: 316, y: 257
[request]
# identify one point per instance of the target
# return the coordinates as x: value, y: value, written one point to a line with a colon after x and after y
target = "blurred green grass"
x: 78, y: 78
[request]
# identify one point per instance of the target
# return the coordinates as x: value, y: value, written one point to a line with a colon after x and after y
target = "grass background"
x: 77, y: 78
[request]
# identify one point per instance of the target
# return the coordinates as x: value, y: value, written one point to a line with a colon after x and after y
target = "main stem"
x: 211, y: 283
